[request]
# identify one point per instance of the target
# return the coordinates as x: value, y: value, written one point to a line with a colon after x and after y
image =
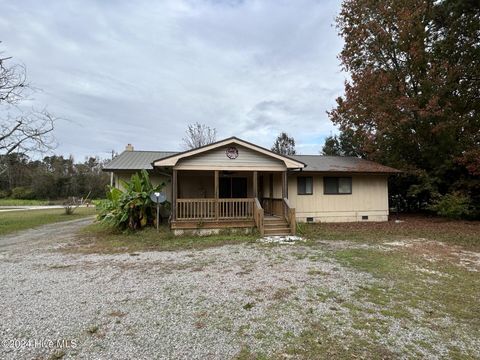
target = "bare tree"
x: 199, y: 135
x: 12, y: 81
x: 284, y: 145
x: 22, y: 131
x: 26, y: 133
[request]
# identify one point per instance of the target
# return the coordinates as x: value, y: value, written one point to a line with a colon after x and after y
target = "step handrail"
x: 290, y: 216
x: 258, y: 215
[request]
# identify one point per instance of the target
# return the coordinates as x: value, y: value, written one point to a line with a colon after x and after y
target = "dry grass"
x: 464, y: 233
x: 97, y: 238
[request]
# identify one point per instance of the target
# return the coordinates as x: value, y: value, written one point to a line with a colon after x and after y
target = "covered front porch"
x: 230, y: 184
x: 219, y: 199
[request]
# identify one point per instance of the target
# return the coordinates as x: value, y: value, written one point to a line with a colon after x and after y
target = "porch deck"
x: 217, y: 213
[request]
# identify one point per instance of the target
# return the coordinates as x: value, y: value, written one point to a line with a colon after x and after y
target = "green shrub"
x: 454, y: 205
x: 23, y: 192
x: 131, y: 208
x: 301, y: 228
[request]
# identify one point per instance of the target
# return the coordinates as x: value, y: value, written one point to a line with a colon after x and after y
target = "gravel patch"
x: 281, y: 239
x: 196, y: 304
x: 185, y: 304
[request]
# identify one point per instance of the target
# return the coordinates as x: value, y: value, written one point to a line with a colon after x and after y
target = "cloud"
x: 140, y: 72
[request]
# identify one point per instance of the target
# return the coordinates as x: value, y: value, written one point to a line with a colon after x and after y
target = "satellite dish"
x: 158, y: 197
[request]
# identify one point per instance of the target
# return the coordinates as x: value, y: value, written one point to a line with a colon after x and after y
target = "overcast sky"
x: 139, y: 72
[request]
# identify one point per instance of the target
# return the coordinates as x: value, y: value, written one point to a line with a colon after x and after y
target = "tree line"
x: 53, y: 177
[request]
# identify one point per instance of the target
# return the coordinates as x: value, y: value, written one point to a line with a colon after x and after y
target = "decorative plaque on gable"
x: 231, y: 152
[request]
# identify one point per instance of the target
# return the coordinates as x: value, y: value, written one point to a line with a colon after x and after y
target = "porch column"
x: 216, y: 193
x: 284, y: 192
x: 174, y: 195
x: 255, y: 184
x: 284, y: 185
x: 271, y: 185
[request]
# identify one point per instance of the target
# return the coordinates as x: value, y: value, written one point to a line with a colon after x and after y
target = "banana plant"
x: 131, y: 207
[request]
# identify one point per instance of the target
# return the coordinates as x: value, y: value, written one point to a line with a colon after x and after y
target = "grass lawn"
x: 101, y: 239
x: 13, y: 221
x: 97, y: 238
x: 456, y: 232
x: 421, y: 302
x: 20, y: 202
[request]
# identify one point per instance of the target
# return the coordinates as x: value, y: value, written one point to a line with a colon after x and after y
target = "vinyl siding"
x: 369, y: 198
x: 216, y: 159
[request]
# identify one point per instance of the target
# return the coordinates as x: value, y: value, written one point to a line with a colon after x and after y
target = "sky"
x: 118, y: 72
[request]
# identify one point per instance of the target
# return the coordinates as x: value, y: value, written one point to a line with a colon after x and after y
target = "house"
x: 236, y: 184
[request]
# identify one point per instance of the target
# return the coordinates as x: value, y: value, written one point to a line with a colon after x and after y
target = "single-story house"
x: 233, y: 183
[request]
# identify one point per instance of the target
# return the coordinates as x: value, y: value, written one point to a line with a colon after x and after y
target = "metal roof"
x: 321, y: 163
x: 137, y: 160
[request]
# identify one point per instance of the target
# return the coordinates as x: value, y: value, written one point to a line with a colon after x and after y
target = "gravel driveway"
x: 189, y: 304
x: 196, y: 304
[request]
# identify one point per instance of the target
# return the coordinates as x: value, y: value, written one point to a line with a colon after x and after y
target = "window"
x: 232, y: 187
x: 337, y: 185
x: 304, y: 185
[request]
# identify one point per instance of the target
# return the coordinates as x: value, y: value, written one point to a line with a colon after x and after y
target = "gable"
x: 247, y: 159
x: 253, y: 155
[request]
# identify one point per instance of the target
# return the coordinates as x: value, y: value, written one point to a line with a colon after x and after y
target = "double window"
x: 331, y: 185
x: 305, y: 185
x: 337, y: 185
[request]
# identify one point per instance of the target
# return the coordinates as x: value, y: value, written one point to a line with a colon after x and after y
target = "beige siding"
x: 369, y: 194
x: 369, y: 198
x: 216, y: 159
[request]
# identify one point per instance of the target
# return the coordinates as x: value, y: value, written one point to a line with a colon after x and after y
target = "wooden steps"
x: 274, y: 226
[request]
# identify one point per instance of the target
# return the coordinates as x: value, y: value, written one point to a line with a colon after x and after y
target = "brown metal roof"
x: 321, y: 163
x: 138, y: 160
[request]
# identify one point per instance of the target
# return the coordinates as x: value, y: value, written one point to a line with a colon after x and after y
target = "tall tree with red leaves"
x: 413, y: 97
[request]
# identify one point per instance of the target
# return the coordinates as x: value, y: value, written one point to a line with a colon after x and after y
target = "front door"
x: 233, y: 187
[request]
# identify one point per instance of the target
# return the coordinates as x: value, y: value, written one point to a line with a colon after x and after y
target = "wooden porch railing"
x: 215, y: 209
x: 235, y: 209
x: 290, y: 216
x: 258, y: 216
